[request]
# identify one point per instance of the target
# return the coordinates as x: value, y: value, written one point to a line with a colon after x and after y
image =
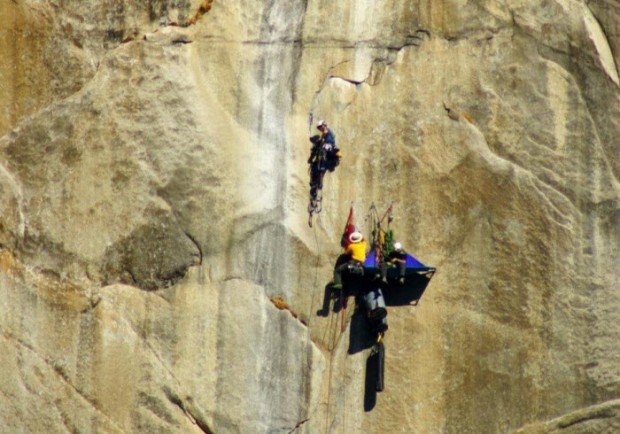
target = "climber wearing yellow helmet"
x: 356, y: 254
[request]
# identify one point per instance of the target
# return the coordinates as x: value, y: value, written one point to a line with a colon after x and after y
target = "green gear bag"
x: 388, y: 243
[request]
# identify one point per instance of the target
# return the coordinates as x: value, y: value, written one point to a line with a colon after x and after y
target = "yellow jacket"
x: 357, y: 251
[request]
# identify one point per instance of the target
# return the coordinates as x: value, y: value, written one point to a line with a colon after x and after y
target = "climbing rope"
x: 343, y: 310
x: 329, y: 391
x: 330, y: 336
x: 316, y: 272
x: 344, y: 404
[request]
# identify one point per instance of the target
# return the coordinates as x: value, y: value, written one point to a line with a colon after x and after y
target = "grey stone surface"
x: 153, y: 193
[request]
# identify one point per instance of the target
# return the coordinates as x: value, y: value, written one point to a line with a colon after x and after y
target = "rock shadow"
x: 370, y: 389
x: 362, y: 335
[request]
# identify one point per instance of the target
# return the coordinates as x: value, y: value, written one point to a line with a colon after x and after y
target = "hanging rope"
x: 329, y: 391
x: 330, y: 336
x: 316, y: 274
x: 343, y: 310
x: 349, y: 227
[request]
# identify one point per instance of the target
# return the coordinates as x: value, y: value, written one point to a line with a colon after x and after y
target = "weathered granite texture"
x: 153, y: 192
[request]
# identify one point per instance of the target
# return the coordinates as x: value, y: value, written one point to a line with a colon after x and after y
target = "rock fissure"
x: 601, y: 414
x: 304, y: 43
x: 348, y: 80
x: 197, y: 244
x: 299, y: 424
x: 451, y: 113
x: 414, y: 41
x: 198, y: 421
x: 181, y: 41
x: 477, y: 35
x: 203, y: 9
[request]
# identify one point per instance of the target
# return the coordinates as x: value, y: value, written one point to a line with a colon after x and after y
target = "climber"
x: 317, y: 162
x: 375, y: 305
x: 317, y: 171
x: 326, y: 132
x: 332, y: 153
x: 397, y: 257
x: 352, y: 260
x: 324, y: 154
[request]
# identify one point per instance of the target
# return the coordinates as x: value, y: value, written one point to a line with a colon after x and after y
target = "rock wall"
x: 153, y: 189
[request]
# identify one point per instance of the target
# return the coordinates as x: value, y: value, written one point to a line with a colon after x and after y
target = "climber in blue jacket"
x: 324, y: 155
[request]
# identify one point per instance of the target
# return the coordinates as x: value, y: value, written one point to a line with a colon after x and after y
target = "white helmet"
x: 320, y: 123
x: 398, y: 246
x: 356, y: 237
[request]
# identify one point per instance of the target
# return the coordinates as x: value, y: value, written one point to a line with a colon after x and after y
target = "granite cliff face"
x: 153, y: 192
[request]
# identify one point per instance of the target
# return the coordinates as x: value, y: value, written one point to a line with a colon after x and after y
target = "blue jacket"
x: 330, y: 138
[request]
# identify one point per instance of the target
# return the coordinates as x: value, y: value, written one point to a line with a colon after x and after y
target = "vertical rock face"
x: 153, y: 192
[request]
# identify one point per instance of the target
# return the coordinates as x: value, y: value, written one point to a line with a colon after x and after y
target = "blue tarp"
x: 412, y: 263
x: 417, y: 277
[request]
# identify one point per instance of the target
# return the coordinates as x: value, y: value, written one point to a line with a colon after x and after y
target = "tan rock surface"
x: 153, y: 196
x: 117, y: 359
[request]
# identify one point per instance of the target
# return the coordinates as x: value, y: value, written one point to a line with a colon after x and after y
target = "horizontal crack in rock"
x: 181, y: 41
x: 348, y: 80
